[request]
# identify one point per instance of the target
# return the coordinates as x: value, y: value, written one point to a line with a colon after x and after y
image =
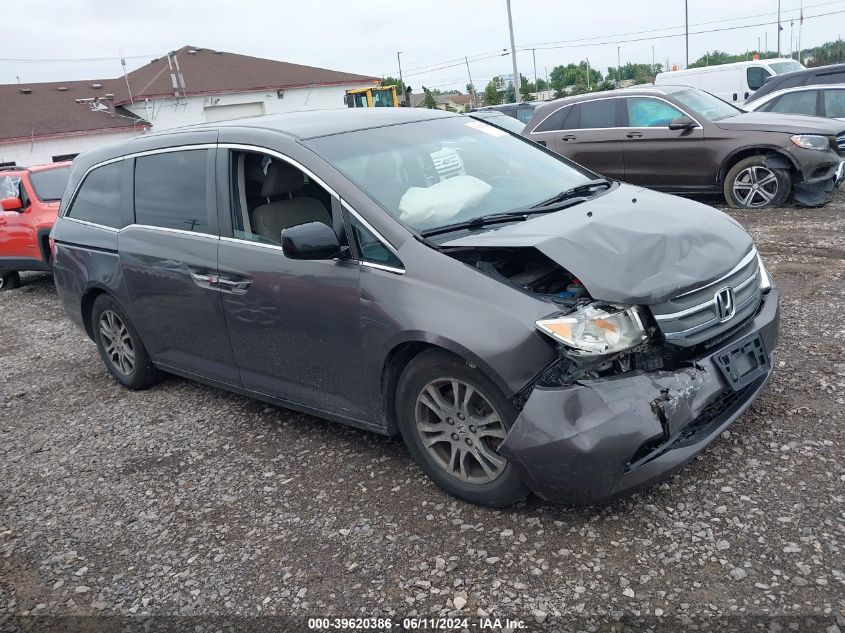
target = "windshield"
x: 432, y: 173
x: 383, y: 98
x: 706, y: 105
x: 50, y: 183
x: 785, y: 67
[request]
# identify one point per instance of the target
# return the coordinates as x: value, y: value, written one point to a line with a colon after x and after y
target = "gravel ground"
x: 188, y: 501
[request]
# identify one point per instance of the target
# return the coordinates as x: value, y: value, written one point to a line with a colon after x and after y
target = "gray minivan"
x: 522, y: 322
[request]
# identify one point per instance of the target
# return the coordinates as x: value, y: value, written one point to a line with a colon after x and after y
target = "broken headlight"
x: 811, y: 141
x: 594, y: 330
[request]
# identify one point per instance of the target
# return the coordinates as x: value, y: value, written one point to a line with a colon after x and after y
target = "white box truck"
x: 733, y: 83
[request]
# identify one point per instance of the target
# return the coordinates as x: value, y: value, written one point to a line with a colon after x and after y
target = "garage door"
x: 234, y: 111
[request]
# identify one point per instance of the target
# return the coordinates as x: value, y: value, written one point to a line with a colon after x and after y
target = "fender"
x: 732, y: 158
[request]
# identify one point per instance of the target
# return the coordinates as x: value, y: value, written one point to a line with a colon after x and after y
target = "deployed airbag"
x: 443, y: 201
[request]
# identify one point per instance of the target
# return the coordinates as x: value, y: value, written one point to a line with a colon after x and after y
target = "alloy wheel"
x: 461, y: 430
x: 117, y: 342
x: 755, y: 186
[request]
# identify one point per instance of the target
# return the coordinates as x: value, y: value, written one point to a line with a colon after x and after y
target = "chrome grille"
x: 696, y: 316
x: 840, y: 142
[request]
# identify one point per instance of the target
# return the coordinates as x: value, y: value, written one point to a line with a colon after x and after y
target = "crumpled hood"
x: 785, y: 123
x: 629, y: 252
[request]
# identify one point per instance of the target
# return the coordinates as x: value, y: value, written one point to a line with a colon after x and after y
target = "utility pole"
x: 686, y: 22
x: 758, y: 46
x: 513, y: 55
x: 588, y: 74
x: 399, y: 59
x: 766, y: 40
x: 800, y: 24
x: 618, y: 66
x: 534, y: 57
x: 474, y: 93
x: 778, y: 28
x: 653, y: 67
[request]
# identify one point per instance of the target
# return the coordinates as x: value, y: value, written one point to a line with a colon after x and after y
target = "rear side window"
x: 524, y: 114
x: 645, y: 112
x: 834, y: 104
x: 831, y: 78
x: 598, y: 114
x: 756, y: 76
x: 562, y: 119
x: 100, y: 197
x: 803, y: 102
x: 171, y: 190
x: 50, y: 183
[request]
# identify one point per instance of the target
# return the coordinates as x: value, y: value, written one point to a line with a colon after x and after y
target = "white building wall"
x: 168, y: 113
x: 39, y: 152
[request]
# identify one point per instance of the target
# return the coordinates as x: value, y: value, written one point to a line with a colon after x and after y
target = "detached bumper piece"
x: 599, y: 439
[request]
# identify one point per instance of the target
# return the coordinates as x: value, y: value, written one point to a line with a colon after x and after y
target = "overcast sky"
x: 362, y: 36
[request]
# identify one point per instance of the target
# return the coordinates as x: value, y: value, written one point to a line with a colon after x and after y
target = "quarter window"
x: 598, y: 114
x: 171, y: 190
x: 756, y: 76
x: 645, y: 112
x: 373, y: 249
x: 562, y: 119
x: 100, y: 197
x: 834, y: 104
x: 803, y: 102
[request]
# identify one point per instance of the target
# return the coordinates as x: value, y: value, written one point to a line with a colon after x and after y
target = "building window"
x: 64, y: 157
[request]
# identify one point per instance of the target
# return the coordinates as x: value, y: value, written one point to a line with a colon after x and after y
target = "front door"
x: 169, y: 261
x: 656, y: 156
x: 18, y: 243
x: 294, y: 324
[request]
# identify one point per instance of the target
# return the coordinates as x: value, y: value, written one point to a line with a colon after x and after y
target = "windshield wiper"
x: 573, y: 192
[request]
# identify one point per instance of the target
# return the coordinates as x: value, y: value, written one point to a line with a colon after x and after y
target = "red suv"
x: 29, y: 197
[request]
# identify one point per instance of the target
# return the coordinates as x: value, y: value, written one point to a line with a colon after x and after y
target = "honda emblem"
x: 725, y: 303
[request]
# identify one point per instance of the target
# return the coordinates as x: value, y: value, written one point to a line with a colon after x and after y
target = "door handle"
x: 568, y: 137
x: 235, y: 286
x: 634, y: 134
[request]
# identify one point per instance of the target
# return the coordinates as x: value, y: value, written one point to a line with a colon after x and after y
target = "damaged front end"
x: 586, y: 435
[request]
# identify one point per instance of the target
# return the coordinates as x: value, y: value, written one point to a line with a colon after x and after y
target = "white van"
x: 733, y: 83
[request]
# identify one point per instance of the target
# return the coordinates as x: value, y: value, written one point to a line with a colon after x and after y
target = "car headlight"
x: 811, y: 141
x: 765, y: 280
x: 593, y: 330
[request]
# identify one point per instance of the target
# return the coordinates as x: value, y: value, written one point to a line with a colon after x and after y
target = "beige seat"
x: 270, y: 219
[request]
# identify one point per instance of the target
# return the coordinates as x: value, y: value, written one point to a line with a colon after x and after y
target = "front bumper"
x: 583, y: 443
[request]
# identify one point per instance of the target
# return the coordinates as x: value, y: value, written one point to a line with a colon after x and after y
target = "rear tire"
x: 751, y: 184
x: 120, y: 347
x: 452, y: 418
x: 9, y: 279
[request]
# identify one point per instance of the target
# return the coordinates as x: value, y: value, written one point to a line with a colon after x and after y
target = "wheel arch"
x: 87, y: 306
x: 404, y: 351
x: 758, y: 150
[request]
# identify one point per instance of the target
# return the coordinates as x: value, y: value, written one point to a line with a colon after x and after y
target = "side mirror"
x: 11, y: 204
x: 312, y: 240
x: 683, y: 123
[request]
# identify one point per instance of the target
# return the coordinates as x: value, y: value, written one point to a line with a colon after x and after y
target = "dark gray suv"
x: 523, y: 323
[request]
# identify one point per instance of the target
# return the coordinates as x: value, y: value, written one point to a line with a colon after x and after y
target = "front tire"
x: 120, y: 347
x: 9, y: 279
x: 453, y: 418
x: 751, y: 184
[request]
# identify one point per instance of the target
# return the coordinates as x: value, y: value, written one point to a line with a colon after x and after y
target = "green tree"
x: 392, y: 81
x: 470, y: 89
x: 639, y: 73
x: 510, y: 93
x: 569, y: 75
x: 491, y: 92
x: 428, y: 100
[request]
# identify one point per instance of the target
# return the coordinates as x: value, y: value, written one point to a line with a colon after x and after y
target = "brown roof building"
x: 46, y: 121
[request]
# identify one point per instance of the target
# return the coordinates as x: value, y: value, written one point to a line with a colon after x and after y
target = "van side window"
x: 270, y: 195
x: 171, y: 190
x: 756, y: 76
x: 99, y: 198
x: 372, y: 249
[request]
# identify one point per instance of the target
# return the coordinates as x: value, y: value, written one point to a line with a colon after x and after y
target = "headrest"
x: 381, y: 167
x: 281, y: 178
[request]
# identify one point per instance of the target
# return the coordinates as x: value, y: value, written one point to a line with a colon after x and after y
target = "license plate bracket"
x: 743, y: 362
